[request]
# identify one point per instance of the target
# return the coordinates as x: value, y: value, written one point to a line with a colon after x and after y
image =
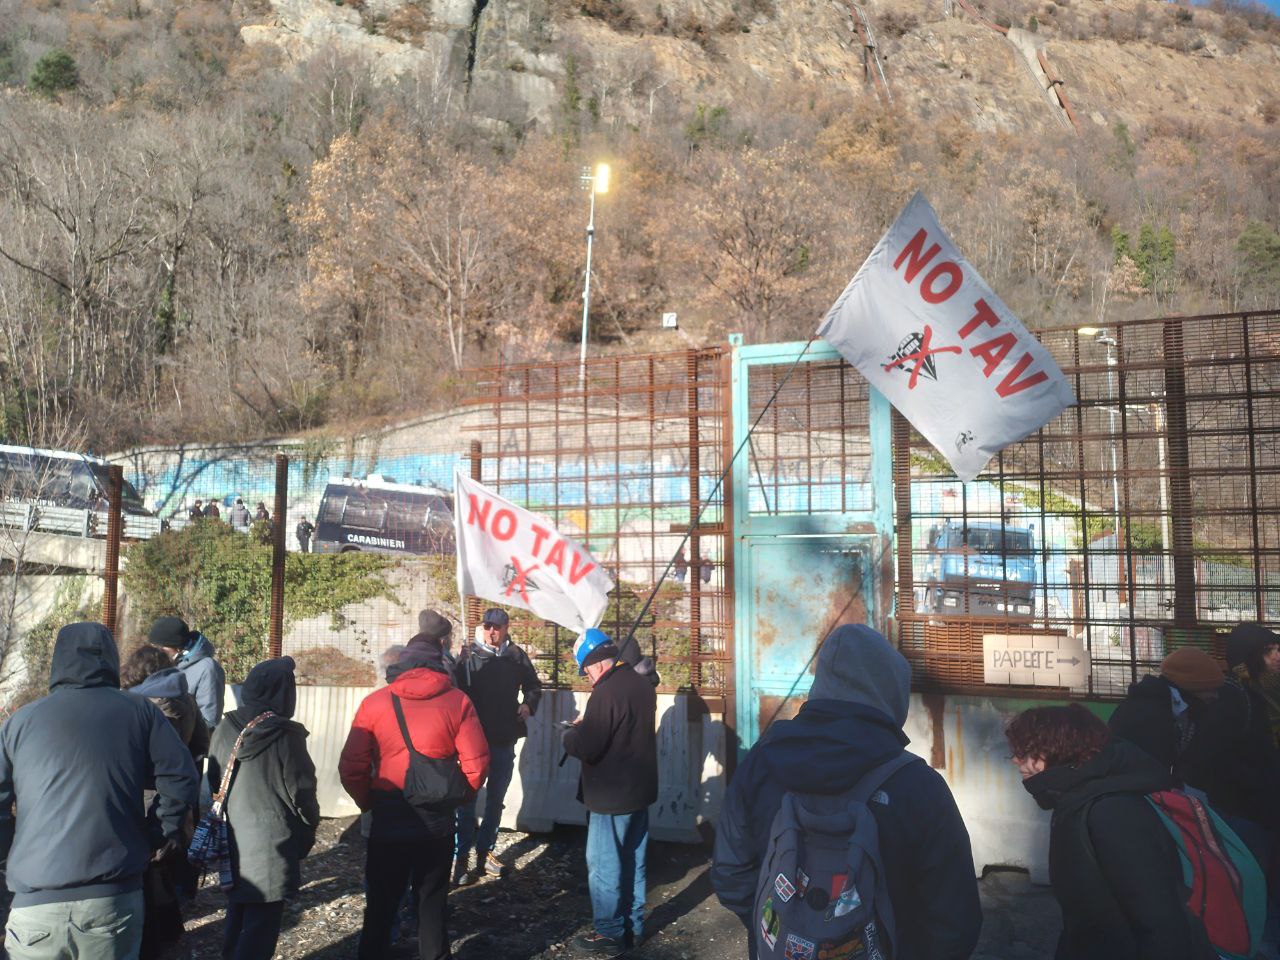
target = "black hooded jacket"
x: 827, y: 749
x: 272, y: 810
x: 1112, y: 864
x: 76, y: 763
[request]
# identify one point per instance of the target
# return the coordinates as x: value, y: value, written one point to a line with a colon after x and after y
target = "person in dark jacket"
x: 616, y: 741
x: 1253, y: 662
x: 303, y: 532
x: 150, y: 673
x: 1198, y: 727
x: 272, y: 810
x: 1112, y: 864
x: 850, y: 724
x: 193, y: 654
x: 500, y: 680
x: 73, y: 768
x: 407, y: 847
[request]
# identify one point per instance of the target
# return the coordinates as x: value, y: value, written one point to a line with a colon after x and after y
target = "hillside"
x: 227, y: 220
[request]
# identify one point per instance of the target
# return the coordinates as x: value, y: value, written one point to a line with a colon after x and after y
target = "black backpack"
x: 432, y: 785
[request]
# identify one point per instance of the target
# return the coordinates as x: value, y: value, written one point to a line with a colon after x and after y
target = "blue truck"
x: 980, y: 568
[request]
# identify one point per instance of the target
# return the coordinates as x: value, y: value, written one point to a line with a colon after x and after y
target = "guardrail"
x: 71, y: 522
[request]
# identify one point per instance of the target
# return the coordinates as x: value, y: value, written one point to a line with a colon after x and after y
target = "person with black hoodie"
x: 504, y: 687
x: 1113, y: 865
x: 272, y: 810
x: 73, y: 768
x: 851, y: 724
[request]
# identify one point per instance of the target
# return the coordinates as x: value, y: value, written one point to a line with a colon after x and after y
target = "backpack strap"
x: 225, y: 786
x: 404, y: 727
x: 876, y: 777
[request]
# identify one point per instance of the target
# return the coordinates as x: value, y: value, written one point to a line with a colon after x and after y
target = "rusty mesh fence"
x: 623, y: 462
x: 1143, y: 519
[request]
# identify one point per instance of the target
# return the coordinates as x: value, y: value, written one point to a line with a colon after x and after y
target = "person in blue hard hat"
x: 617, y: 744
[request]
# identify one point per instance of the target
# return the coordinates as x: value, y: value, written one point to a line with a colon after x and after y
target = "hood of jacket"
x: 858, y: 665
x: 418, y: 683
x: 169, y: 682
x: 830, y: 745
x: 270, y: 686
x: 200, y: 649
x: 427, y: 655
x: 84, y: 655
x: 1119, y: 767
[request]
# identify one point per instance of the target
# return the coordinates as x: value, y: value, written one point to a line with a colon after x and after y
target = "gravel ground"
x: 533, y: 913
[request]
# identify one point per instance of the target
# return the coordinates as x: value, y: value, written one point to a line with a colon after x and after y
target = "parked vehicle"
x: 380, y: 515
x: 993, y: 564
x: 59, y: 478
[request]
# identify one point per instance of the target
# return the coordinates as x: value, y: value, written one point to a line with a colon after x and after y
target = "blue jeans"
x: 502, y: 765
x: 616, y: 847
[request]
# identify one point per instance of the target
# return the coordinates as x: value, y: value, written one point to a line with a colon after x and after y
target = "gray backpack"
x: 822, y: 892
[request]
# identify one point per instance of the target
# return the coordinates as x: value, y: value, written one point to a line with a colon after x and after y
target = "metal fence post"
x: 111, y: 575
x: 275, y: 639
x: 1175, y: 391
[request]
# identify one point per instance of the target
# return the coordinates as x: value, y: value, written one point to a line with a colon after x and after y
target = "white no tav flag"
x: 925, y: 329
x: 511, y: 556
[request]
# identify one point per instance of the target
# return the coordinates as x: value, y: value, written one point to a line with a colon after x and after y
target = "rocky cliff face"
x: 521, y: 61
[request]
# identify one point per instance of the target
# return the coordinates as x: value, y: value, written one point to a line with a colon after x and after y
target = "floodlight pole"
x: 590, y: 180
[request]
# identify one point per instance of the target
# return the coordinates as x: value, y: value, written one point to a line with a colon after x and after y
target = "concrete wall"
x: 544, y: 793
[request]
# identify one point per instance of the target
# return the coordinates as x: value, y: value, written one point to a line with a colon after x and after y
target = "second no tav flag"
x: 510, y: 555
x: 926, y: 331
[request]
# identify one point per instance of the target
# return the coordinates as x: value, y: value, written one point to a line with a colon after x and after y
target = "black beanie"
x: 170, y: 632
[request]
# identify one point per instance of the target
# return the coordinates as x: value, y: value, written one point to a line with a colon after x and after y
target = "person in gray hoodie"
x: 192, y: 653
x: 272, y: 811
x: 73, y: 830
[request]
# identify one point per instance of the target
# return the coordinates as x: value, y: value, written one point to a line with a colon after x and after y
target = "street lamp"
x: 597, y: 182
x: 1102, y: 336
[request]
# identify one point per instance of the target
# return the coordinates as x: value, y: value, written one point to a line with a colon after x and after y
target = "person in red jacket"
x: 406, y: 846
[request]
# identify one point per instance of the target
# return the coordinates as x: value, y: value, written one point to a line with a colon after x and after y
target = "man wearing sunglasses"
x: 504, y: 687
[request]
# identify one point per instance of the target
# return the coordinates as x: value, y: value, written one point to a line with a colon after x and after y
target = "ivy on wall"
x: 219, y: 581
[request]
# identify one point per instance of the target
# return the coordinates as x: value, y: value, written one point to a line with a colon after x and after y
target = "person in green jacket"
x: 272, y: 811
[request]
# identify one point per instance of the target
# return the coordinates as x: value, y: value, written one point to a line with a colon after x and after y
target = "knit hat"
x: 858, y: 665
x: 1192, y: 670
x: 170, y: 632
x: 1246, y: 641
x: 433, y: 626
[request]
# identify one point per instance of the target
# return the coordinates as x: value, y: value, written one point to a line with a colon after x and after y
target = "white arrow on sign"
x: 1037, y: 660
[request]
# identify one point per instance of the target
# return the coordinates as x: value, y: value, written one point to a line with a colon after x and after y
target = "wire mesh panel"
x: 811, y: 451
x: 1143, y: 519
x: 624, y: 463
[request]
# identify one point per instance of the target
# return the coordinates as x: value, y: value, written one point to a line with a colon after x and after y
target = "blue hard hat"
x: 590, y: 640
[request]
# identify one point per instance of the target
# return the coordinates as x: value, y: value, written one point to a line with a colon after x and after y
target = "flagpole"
x: 706, y: 502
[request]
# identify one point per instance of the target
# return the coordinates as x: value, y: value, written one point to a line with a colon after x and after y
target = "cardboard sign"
x: 1039, y: 660
x: 926, y: 330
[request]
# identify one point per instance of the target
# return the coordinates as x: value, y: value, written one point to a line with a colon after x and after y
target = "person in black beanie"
x: 272, y: 810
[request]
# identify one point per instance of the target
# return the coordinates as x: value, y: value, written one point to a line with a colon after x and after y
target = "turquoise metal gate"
x: 813, y: 519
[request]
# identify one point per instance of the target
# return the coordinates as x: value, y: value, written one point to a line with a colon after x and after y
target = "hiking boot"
x: 593, y: 944
x: 462, y: 875
x: 493, y: 866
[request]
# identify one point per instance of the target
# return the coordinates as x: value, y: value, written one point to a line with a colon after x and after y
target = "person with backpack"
x: 500, y: 679
x: 409, y: 738
x: 833, y: 839
x: 616, y: 741
x: 1114, y: 866
x: 74, y: 835
x: 271, y: 806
